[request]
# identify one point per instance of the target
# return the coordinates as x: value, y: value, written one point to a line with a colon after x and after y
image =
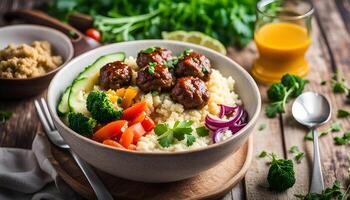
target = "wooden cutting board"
x: 210, y: 184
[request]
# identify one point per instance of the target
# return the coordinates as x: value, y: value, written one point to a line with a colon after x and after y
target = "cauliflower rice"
x: 167, y: 111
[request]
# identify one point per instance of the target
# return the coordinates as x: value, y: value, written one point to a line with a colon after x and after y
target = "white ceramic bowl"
x: 155, y: 167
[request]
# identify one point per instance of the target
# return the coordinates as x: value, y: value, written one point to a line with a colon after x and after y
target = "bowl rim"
x: 52, y: 31
x: 250, y: 79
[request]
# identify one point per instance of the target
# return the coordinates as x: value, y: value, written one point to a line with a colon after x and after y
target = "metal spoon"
x: 312, y: 110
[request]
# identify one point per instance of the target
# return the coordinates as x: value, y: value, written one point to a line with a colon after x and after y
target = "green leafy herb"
x: 151, y: 67
x: 170, y: 63
x: 154, y: 93
x: 298, y: 155
x: 344, y: 139
x: 333, y: 192
x: 4, y: 116
x: 335, y: 127
x: 263, y: 154
x: 180, y: 129
x: 342, y: 113
x: 190, y: 140
x: 340, y: 85
x: 261, y: 127
x: 202, y: 131
x: 279, y: 93
x: 149, y: 50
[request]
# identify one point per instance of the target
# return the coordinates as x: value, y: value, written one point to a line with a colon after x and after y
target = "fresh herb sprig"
x: 151, y: 67
x: 341, y: 113
x: 4, y: 116
x: 298, y: 155
x: 279, y: 93
x: 342, y: 140
x: 335, y: 127
x: 340, y: 85
x: 333, y: 192
x: 281, y: 174
x: 179, y: 131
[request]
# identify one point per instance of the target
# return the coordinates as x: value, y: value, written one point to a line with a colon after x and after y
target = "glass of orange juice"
x: 282, y: 37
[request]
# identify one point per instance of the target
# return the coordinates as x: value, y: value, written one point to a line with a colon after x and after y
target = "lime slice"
x: 196, y: 38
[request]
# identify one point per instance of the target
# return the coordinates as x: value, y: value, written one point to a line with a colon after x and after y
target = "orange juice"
x: 282, y: 48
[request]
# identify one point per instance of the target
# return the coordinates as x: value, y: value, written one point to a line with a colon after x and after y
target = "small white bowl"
x: 26, y: 34
x: 155, y: 167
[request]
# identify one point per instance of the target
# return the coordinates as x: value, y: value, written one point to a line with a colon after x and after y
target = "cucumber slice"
x: 86, y: 80
x: 99, y: 63
x: 63, y: 108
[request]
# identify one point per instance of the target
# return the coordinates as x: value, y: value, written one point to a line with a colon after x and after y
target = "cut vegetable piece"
x: 63, y: 108
x: 110, y: 130
x: 113, y: 143
x: 127, y: 137
x: 133, y: 111
x: 130, y: 94
x: 95, y: 67
x: 139, y: 131
x: 86, y: 80
x: 148, y: 124
x: 138, y: 118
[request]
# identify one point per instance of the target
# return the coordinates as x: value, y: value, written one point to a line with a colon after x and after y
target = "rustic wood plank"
x: 269, y: 139
x: 338, y: 43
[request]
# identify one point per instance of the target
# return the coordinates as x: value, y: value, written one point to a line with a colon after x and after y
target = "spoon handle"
x: 317, y: 184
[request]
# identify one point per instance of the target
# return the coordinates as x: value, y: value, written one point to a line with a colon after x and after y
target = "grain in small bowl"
x: 30, y: 56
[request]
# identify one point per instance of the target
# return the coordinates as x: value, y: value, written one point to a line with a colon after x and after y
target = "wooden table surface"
x: 330, y: 52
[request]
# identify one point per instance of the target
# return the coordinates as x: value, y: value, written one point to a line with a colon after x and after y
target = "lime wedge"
x: 196, y: 38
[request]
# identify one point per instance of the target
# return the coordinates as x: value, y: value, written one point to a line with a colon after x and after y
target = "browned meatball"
x: 191, y: 92
x: 193, y: 64
x: 153, y: 54
x: 154, y: 77
x: 115, y: 75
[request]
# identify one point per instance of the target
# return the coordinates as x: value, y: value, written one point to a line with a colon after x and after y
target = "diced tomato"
x: 132, y: 147
x: 135, y: 110
x: 148, y: 124
x: 139, y: 131
x: 110, y: 130
x: 138, y: 118
x: 113, y: 143
x: 94, y: 34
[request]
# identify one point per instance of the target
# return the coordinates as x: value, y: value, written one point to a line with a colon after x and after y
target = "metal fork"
x: 52, y: 133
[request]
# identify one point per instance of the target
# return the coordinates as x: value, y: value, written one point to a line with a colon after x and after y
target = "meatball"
x: 154, y: 77
x: 153, y: 54
x: 191, y: 92
x: 115, y: 75
x: 193, y: 64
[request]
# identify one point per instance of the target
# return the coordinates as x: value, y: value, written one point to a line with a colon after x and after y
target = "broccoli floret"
x: 81, y: 124
x: 101, y: 108
x: 281, y: 174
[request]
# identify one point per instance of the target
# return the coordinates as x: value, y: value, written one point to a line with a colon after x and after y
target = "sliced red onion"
x: 236, y: 127
x: 224, y: 123
x: 218, y: 134
x: 226, y: 110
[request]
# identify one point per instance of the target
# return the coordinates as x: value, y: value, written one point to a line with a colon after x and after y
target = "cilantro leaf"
x: 160, y: 129
x: 335, y: 127
x: 190, y: 140
x: 263, y: 154
x: 166, y: 141
x: 149, y: 50
x: 151, y: 67
x: 293, y: 149
x: 166, y: 134
x: 342, y: 140
x: 202, y: 131
x: 298, y: 155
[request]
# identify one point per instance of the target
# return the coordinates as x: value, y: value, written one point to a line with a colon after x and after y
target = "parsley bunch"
x: 279, y: 93
x: 281, y: 174
x: 179, y: 131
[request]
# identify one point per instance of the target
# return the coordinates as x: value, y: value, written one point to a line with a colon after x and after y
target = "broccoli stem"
x: 284, y: 100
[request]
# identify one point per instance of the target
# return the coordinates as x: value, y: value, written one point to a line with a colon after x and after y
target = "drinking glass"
x: 282, y: 36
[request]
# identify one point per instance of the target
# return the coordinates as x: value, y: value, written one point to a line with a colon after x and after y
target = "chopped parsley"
x: 342, y: 113
x: 261, y: 127
x: 4, y: 116
x: 185, y: 53
x: 205, y: 70
x: 154, y: 93
x: 335, y: 127
x: 342, y: 140
x: 151, y: 67
x: 170, y: 63
x: 202, y: 131
x: 298, y: 155
x: 149, y: 50
x: 263, y: 154
x: 180, y: 131
x: 340, y: 85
